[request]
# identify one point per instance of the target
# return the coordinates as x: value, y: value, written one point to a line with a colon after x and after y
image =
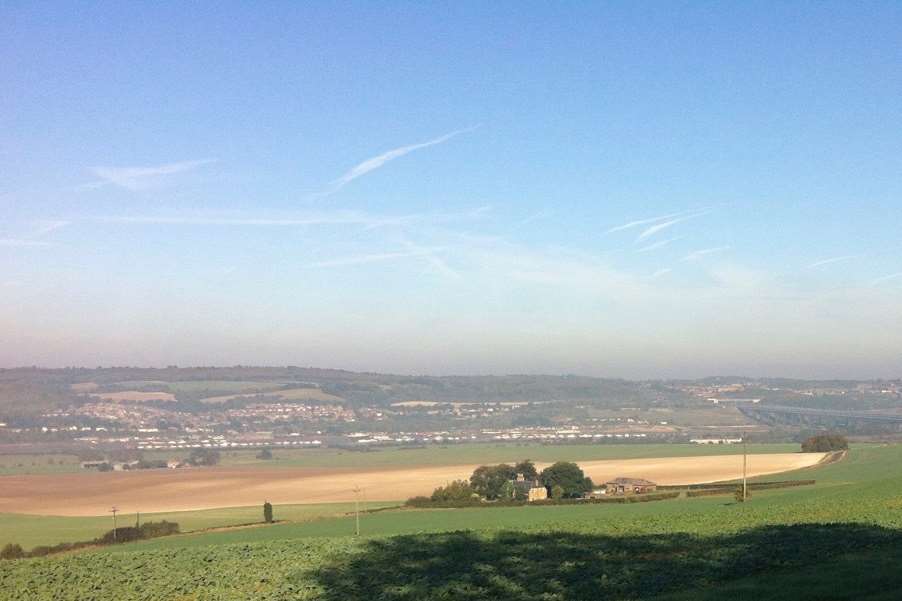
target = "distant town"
x: 343, y: 409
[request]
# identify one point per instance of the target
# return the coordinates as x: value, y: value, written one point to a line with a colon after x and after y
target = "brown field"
x: 134, y: 395
x: 208, y: 488
x: 292, y: 394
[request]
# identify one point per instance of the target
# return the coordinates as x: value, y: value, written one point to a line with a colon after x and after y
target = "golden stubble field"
x: 149, y: 491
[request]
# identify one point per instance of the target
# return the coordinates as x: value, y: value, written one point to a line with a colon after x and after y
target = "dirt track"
x: 177, y: 490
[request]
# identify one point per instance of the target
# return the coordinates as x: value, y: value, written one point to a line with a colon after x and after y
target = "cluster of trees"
x: 131, y: 533
x: 563, y: 480
x: 458, y: 491
x: 119, y: 535
x: 203, y: 457
x: 493, y: 481
x: 823, y: 443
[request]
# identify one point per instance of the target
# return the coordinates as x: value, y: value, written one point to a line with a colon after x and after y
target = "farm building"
x: 92, y: 465
x: 629, y: 486
x: 533, y: 490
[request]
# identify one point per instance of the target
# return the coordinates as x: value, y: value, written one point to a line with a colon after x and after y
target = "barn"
x: 629, y: 486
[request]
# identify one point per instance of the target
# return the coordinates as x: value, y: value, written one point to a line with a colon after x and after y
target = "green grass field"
x: 480, y: 453
x: 866, y: 486
x: 401, y: 456
x: 838, y: 539
x: 33, y: 530
x: 38, y: 464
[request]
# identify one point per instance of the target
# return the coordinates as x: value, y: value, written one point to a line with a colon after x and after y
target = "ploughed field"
x: 147, y: 491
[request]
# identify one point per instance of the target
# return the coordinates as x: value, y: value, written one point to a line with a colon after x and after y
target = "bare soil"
x: 149, y: 491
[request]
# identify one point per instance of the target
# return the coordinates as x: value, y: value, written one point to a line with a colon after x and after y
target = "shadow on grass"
x: 564, y: 566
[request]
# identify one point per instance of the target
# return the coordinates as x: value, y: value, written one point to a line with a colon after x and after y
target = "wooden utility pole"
x: 113, y: 511
x: 357, y: 509
x: 745, y: 463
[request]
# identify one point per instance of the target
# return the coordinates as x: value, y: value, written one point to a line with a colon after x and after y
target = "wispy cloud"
x: 22, y: 242
x: 541, y: 214
x: 659, y: 227
x: 660, y: 272
x: 833, y: 260
x: 378, y: 161
x: 44, y: 227
x: 632, y: 224
x: 32, y: 237
x: 325, y: 218
x: 658, y: 244
x: 886, y: 278
x: 435, y: 262
x: 371, y: 258
x: 138, y: 178
x: 698, y: 254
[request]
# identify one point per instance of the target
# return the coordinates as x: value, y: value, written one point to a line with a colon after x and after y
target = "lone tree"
x: 568, y: 476
x: 823, y: 443
x: 267, y: 512
x: 265, y: 453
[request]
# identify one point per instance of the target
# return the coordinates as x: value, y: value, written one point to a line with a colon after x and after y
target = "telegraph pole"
x: 357, y: 509
x: 113, y: 511
x: 745, y: 460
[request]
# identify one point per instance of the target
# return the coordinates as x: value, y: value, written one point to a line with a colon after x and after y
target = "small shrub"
x: 12, y: 551
x: 419, y: 501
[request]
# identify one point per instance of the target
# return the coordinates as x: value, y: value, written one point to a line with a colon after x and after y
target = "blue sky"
x: 651, y: 190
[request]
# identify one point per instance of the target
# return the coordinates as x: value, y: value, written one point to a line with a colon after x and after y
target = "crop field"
x: 290, y: 394
x: 847, y: 525
x: 194, y: 386
x: 386, y: 457
x: 466, y: 454
x: 188, y: 489
x: 32, y: 530
x: 39, y: 464
x: 133, y: 395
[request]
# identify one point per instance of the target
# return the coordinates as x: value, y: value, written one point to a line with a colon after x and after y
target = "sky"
x: 638, y: 190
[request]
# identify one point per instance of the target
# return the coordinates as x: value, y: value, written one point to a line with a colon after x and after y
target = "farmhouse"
x: 533, y: 490
x: 629, y: 486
